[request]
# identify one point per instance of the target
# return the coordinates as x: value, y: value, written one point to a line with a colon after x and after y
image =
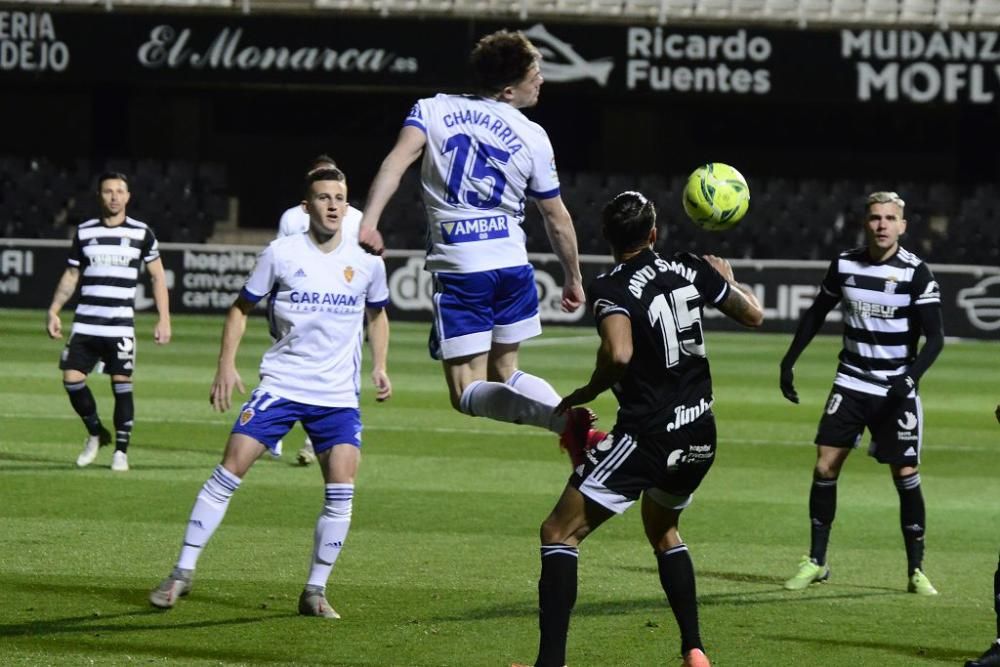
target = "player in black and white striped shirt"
x: 889, y: 298
x: 107, y: 252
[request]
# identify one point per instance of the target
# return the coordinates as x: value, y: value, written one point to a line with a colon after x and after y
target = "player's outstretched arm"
x: 64, y: 292
x: 227, y: 377
x: 409, y: 145
x: 378, y: 341
x: 809, y: 325
x: 161, y: 297
x: 562, y: 238
x: 613, y: 357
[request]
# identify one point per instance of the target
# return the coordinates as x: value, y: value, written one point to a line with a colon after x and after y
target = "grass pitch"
x: 441, y: 563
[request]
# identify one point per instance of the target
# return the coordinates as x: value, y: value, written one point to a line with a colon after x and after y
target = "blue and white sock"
x: 206, y: 515
x: 331, y: 532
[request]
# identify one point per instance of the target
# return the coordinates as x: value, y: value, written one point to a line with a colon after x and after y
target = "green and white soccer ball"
x: 716, y: 196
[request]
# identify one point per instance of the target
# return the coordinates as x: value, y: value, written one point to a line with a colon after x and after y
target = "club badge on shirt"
x: 348, y: 273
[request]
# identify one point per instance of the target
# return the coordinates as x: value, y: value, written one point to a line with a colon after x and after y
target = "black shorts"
x: 895, y: 425
x: 669, y: 466
x: 82, y: 352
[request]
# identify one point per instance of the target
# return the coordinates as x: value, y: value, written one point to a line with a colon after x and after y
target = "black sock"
x: 912, y: 519
x: 556, y: 597
x: 84, y: 404
x: 124, y: 414
x: 822, y: 510
x: 677, y: 579
x: 996, y: 597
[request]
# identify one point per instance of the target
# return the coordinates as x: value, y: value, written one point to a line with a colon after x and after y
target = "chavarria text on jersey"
x: 646, y: 273
x: 476, y: 229
x: 500, y: 130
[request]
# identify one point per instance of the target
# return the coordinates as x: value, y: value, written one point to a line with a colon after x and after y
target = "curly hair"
x: 501, y: 59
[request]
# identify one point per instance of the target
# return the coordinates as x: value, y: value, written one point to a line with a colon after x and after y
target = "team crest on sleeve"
x: 348, y: 273
x: 932, y: 289
x: 246, y: 416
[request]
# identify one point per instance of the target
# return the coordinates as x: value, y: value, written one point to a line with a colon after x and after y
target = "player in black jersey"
x: 889, y: 297
x: 648, y: 310
x: 105, y: 261
x: 991, y: 658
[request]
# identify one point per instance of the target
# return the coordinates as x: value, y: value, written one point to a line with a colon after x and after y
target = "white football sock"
x: 206, y: 515
x: 502, y: 402
x: 535, y: 387
x: 331, y: 531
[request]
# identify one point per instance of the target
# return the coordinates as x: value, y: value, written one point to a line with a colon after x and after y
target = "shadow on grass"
x: 910, y: 649
x: 125, y: 596
x: 771, y: 580
x: 658, y: 603
x: 110, y: 638
x: 98, y: 467
x: 53, y: 464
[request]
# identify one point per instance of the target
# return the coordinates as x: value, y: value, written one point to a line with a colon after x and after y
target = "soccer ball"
x: 716, y: 196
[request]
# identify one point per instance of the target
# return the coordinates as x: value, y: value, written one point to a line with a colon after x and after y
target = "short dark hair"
x: 323, y: 175
x: 627, y: 220
x: 501, y: 59
x: 322, y: 158
x: 111, y: 176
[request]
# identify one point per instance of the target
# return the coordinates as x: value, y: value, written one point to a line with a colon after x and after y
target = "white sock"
x: 502, y: 402
x: 331, y: 531
x: 206, y: 515
x: 535, y: 387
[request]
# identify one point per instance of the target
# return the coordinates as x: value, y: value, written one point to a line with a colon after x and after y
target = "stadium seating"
x: 42, y: 198
x: 804, y: 218
x: 789, y: 218
x: 926, y: 13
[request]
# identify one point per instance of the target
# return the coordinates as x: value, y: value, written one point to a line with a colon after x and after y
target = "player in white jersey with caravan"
x: 108, y: 252
x: 889, y: 298
x: 319, y: 288
x: 482, y: 160
x: 295, y: 220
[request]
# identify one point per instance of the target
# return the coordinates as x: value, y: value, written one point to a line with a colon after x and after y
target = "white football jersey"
x: 296, y: 221
x: 316, y: 309
x: 483, y: 158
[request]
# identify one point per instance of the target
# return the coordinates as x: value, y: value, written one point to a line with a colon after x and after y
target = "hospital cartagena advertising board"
x: 328, y: 49
x: 207, y: 278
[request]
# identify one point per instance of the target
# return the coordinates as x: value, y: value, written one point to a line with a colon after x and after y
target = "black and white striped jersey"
x: 667, y: 384
x: 881, y: 305
x: 109, y: 259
